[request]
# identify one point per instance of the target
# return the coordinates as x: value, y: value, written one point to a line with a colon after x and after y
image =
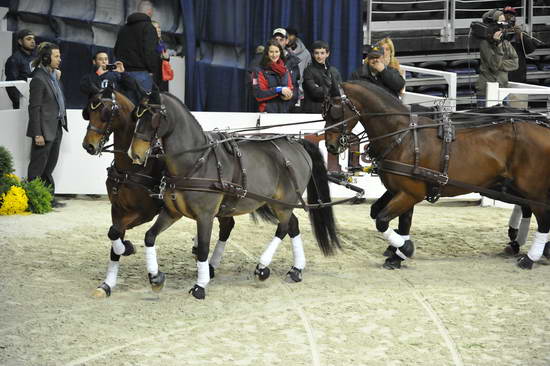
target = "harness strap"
x: 433, y: 176
x: 292, y: 175
x: 214, y: 186
x: 147, y: 182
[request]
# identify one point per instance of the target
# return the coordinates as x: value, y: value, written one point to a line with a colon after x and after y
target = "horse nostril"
x: 89, y: 148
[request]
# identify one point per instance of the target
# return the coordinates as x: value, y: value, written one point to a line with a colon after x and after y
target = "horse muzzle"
x: 90, y: 148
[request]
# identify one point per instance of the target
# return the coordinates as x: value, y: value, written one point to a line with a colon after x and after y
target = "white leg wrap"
x: 203, y: 274
x: 515, y: 217
x: 298, y: 252
x: 151, y: 258
x: 535, y: 252
x: 406, y: 237
x: 394, y: 238
x: 269, y: 251
x: 112, y: 273
x: 523, y: 230
x: 217, y: 254
x: 118, y: 246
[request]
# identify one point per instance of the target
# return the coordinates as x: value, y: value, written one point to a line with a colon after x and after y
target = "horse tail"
x: 265, y: 214
x: 322, y: 219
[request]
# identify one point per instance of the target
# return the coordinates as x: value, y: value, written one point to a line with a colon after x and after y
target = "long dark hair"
x: 265, y: 57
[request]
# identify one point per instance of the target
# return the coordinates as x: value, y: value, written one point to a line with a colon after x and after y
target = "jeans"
x: 144, y: 79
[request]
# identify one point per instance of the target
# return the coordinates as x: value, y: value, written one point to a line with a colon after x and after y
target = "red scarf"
x: 279, y: 67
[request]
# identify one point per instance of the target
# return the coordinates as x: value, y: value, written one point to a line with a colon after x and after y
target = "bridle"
x: 106, y: 116
x: 336, y: 112
x: 158, y: 113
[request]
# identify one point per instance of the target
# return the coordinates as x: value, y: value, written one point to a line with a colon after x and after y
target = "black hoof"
x: 129, y: 248
x: 546, y: 252
x: 295, y: 274
x: 512, y: 248
x: 512, y: 233
x: 393, y: 262
x: 212, y: 271
x: 524, y: 262
x: 105, y: 287
x: 157, y: 281
x: 262, y: 273
x: 198, y: 292
x: 389, y: 251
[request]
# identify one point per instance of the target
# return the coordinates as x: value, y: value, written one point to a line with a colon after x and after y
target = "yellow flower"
x: 13, y: 176
x: 15, y: 201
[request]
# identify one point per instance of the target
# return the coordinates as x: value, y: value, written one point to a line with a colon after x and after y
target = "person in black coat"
x: 105, y: 75
x: 136, y: 47
x: 47, y: 115
x: 375, y: 72
x: 320, y: 79
x: 18, y: 65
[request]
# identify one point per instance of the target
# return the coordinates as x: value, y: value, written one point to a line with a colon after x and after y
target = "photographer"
x: 497, y: 55
x: 105, y: 73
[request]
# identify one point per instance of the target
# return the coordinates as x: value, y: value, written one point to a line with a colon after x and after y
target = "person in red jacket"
x: 272, y: 83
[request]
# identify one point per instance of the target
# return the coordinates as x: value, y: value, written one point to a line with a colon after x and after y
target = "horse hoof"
x: 512, y: 233
x: 524, y: 262
x: 546, y: 252
x: 129, y: 248
x: 198, y: 292
x: 393, y: 262
x: 262, y: 273
x: 212, y: 271
x: 389, y: 251
x: 512, y: 248
x: 295, y: 274
x: 157, y: 281
x: 103, y: 291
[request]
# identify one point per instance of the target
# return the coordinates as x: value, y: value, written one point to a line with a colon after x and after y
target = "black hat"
x: 374, y: 51
x: 23, y: 33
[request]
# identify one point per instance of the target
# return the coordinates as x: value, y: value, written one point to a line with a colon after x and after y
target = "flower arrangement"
x: 16, y: 196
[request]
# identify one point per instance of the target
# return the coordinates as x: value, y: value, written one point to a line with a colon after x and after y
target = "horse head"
x: 101, y: 113
x: 151, y: 126
x: 341, y: 116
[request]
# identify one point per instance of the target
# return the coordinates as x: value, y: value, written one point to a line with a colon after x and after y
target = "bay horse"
x: 131, y: 188
x: 415, y: 163
x: 211, y: 175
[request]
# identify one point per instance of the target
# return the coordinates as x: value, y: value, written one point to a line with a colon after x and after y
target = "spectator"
x: 18, y: 65
x: 253, y: 67
x: 497, y: 55
x: 524, y: 45
x: 320, y: 79
x: 47, y: 115
x: 273, y: 88
x: 136, y: 47
x: 376, y: 72
x: 292, y: 63
x: 162, y: 50
x: 389, y: 58
x: 104, y: 74
x: 296, y: 47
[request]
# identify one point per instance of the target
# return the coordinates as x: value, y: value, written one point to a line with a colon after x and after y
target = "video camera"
x: 111, y: 67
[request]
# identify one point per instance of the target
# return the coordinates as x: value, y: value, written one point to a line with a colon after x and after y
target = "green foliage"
x: 6, y: 162
x: 6, y: 181
x: 39, y: 194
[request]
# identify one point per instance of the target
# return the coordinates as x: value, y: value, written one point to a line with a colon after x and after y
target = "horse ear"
x: 86, y: 113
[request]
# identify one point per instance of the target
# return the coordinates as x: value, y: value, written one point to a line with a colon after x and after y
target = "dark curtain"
x: 221, y: 36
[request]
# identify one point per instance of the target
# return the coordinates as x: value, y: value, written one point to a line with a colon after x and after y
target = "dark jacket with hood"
x: 265, y: 82
x: 136, y: 45
x: 18, y: 67
x: 319, y: 81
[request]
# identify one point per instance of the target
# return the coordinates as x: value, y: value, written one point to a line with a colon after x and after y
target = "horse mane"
x: 388, y: 99
x: 182, y: 105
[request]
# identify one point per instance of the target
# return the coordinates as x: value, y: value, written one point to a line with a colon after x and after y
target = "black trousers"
x: 44, y: 159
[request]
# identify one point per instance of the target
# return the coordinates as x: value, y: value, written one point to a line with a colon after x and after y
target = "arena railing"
x: 451, y: 80
x: 22, y: 86
x: 496, y: 95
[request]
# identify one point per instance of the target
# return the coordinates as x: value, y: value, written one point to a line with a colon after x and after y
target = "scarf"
x: 279, y: 67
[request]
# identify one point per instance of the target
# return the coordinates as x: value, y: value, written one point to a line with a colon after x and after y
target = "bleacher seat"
x: 463, y: 67
x: 434, y: 65
x: 82, y: 10
x: 109, y: 12
x: 435, y: 90
x: 33, y: 6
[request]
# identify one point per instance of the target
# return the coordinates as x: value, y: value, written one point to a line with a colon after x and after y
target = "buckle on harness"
x: 442, y: 179
x: 162, y: 187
